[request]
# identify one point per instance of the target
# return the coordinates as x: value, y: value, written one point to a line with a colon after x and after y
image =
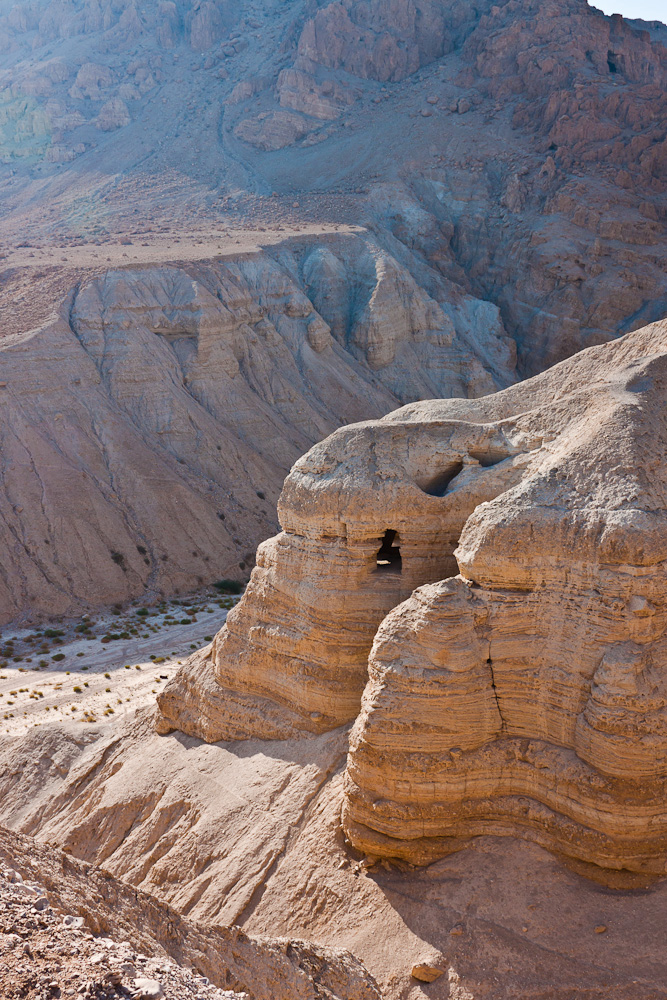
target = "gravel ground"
x: 108, y: 665
x: 46, y: 954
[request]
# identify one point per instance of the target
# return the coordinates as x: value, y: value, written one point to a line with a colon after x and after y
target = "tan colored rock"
x: 167, y: 403
x: 426, y: 972
x: 562, y: 81
x: 93, y: 81
x: 525, y: 695
x: 522, y: 694
x: 322, y: 587
x: 271, y: 131
x: 245, y: 89
x: 302, y: 92
x: 252, y: 968
x: 379, y: 40
x: 210, y: 23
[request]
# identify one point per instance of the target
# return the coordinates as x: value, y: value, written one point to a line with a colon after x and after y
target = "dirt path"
x: 73, y: 671
x: 160, y: 248
x: 35, y: 279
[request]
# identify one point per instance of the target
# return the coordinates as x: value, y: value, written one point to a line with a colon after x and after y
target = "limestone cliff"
x: 519, y: 687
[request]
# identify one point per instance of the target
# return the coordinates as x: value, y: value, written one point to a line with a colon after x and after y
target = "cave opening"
x: 389, y: 554
x: 437, y: 485
x: 613, y: 62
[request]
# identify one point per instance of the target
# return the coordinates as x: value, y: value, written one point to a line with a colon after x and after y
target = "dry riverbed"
x: 104, y: 665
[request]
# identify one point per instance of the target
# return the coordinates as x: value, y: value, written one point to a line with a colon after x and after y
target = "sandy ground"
x: 74, y: 675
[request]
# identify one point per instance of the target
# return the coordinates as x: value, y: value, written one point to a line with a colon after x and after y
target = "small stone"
x: 147, y: 989
x: 426, y: 973
x: 457, y: 930
x: 601, y: 929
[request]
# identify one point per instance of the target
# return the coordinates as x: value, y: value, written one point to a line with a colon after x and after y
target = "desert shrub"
x: 228, y: 586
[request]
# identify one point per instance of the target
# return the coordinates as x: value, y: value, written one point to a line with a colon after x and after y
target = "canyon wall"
x: 146, y: 431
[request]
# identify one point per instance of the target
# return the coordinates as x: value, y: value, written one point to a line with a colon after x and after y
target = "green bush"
x: 228, y: 586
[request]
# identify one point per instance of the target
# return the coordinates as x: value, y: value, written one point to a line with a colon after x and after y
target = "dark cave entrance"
x: 389, y: 554
x: 437, y: 485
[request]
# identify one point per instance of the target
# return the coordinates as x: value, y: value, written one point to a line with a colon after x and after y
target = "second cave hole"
x: 389, y: 553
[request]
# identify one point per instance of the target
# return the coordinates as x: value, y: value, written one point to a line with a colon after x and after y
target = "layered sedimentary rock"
x: 520, y: 688
x: 367, y: 517
x: 528, y: 694
x: 147, y: 430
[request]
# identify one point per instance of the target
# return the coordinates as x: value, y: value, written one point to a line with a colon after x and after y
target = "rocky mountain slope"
x: 61, y: 918
x: 256, y: 826
x: 147, y: 429
x: 518, y: 149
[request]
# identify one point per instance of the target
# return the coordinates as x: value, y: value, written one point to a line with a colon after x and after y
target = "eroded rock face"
x: 519, y: 688
x: 528, y: 694
x: 359, y: 501
x: 517, y: 149
x: 146, y: 432
x: 244, y: 967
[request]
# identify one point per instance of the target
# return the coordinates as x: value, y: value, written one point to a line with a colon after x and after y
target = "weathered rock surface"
x: 523, y: 694
x: 225, y: 956
x: 146, y: 431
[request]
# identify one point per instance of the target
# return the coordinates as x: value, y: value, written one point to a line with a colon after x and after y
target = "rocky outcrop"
x: 367, y: 517
x: 520, y: 693
x: 177, y: 398
x: 113, y: 114
x: 384, y: 39
x: 270, y: 131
